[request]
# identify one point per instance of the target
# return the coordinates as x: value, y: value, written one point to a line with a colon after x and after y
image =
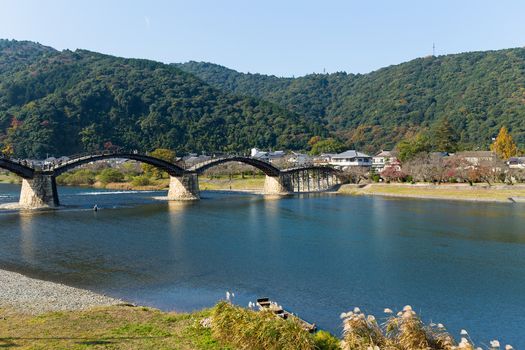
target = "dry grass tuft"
x: 404, y: 331
x: 246, y: 329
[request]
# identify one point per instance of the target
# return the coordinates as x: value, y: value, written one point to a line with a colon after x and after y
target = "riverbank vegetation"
x: 131, y: 175
x: 9, y: 178
x: 224, y: 326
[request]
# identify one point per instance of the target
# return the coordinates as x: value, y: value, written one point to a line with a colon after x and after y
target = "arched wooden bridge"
x: 39, y: 181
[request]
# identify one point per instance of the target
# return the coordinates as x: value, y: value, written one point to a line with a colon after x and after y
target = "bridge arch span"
x: 324, y: 168
x: 265, y: 167
x: 17, y: 168
x: 170, y: 168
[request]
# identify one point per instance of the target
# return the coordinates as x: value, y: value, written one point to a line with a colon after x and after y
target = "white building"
x: 477, y: 157
x: 384, y: 159
x: 516, y: 163
x: 351, y: 158
x: 266, y: 156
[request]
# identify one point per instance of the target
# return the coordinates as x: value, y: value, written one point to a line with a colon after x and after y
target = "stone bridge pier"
x: 277, y: 185
x: 39, y: 192
x: 301, y: 181
x: 184, y: 187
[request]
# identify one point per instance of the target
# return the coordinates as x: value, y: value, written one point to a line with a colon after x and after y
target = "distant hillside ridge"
x: 65, y: 102
x: 477, y: 91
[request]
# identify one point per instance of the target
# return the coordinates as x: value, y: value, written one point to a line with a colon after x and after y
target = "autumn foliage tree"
x: 504, y: 146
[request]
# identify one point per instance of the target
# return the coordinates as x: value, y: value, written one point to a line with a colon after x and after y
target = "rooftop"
x: 474, y: 154
x: 384, y: 154
x: 350, y: 154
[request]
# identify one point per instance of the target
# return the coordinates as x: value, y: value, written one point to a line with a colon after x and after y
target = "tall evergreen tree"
x: 444, y: 137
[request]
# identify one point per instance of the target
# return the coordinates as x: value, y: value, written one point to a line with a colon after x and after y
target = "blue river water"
x: 458, y: 263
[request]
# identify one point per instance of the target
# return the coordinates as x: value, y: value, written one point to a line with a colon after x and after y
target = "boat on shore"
x: 267, y: 304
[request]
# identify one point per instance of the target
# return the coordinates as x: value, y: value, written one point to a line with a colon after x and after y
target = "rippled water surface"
x: 459, y: 263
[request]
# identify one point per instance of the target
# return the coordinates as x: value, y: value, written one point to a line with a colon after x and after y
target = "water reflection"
x: 27, y: 237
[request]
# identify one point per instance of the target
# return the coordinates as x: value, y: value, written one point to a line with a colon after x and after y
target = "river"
x: 458, y: 263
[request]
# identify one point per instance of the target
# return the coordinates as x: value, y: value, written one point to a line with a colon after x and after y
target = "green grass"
x: 477, y: 192
x: 125, y: 327
x: 237, y: 183
x: 115, y: 327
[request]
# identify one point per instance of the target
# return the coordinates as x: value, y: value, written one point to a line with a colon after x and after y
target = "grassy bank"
x: 9, y: 178
x: 478, y: 192
x: 115, y: 327
x: 224, y: 326
x: 237, y: 182
x: 127, y: 327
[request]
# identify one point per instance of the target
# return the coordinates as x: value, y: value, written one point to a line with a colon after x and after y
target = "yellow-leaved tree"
x: 504, y: 146
x: 8, y: 150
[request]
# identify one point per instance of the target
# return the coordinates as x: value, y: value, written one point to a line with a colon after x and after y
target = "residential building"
x: 351, y: 158
x: 267, y: 156
x: 516, y: 162
x: 323, y: 159
x: 299, y: 159
x: 383, y: 160
x: 193, y: 158
x: 477, y: 157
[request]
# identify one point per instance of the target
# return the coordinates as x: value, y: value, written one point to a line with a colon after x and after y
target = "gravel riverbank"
x: 33, y: 296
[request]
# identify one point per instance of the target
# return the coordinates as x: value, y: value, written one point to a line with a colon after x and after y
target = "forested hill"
x: 478, y: 91
x: 63, y: 102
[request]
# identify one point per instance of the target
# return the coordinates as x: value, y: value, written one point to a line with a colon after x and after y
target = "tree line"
x: 477, y: 92
x: 61, y: 103
x: 64, y: 102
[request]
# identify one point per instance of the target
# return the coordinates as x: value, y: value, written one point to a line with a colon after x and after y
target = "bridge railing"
x: 215, y: 156
x: 24, y: 162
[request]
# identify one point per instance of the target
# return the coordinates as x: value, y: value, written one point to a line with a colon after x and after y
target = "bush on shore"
x: 141, y: 180
x: 246, y: 329
x: 110, y: 175
x: 77, y: 178
x: 242, y: 328
x: 403, y: 331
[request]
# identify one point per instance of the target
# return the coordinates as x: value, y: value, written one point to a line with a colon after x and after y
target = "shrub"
x: 326, y: 341
x: 246, y: 329
x: 77, y: 178
x: 110, y: 175
x: 141, y: 180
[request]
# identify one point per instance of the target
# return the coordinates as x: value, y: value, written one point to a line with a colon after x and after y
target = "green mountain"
x: 63, y: 102
x: 477, y: 91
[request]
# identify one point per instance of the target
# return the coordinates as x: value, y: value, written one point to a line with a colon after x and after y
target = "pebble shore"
x: 32, y: 296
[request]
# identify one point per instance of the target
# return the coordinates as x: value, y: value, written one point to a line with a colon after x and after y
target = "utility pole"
x: 434, y: 49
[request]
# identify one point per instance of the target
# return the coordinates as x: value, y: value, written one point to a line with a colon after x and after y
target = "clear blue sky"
x: 269, y: 36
